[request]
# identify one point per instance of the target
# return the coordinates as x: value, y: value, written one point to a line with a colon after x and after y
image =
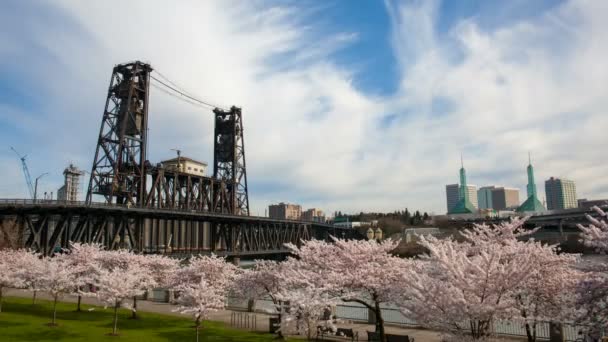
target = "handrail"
x: 43, y: 202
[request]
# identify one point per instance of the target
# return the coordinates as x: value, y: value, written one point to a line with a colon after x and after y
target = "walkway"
x: 262, y: 319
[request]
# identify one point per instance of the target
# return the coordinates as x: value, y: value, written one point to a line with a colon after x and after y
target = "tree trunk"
x: 198, y: 325
x: 280, y: 319
x: 54, y: 310
x: 0, y: 298
x: 34, y: 298
x: 115, y: 318
x: 379, y: 320
x: 134, y: 311
x: 79, y: 300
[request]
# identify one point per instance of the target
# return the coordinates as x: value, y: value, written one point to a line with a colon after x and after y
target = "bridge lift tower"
x: 118, y: 171
x: 229, y: 157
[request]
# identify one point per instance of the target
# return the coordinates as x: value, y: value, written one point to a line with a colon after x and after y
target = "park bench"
x: 340, y: 332
x: 374, y: 336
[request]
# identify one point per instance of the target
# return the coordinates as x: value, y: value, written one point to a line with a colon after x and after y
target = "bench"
x: 340, y: 332
x: 375, y: 336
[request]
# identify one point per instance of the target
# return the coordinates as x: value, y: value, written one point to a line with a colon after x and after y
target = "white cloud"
x: 309, y: 131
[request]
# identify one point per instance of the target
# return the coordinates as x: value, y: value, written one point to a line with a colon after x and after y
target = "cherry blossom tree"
x: 199, y: 300
x: 125, y: 261
x: 213, y: 269
x: 57, y: 280
x: 463, y: 287
x: 364, y: 272
x: 302, y: 302
x: 118, y: 285
x: 549, y: 291
x: 84, y: 260
x: 31, y: 268
x: 596, y: 233
x: 592, y: 300
x: 9, y: 270
x: 263, y: 280
x: 203, y: 285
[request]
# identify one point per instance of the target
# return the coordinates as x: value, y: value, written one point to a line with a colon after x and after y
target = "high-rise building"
x: 71, y: 184
x: 451, y: 195
x: 314, y: 215
x: 285, y: 211
x: 484, y: 197
x: 472, y: 195
x: 465, y: 193
x: 561, y: 193
x: 531, y: 203
x: 505, y: 198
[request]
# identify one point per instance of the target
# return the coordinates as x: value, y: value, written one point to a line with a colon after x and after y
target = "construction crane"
x: 26, y: 173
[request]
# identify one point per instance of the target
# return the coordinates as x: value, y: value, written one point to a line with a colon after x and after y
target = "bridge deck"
x: 49, y: 225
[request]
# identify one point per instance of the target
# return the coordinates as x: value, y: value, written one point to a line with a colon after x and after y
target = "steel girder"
x: 182, y: 191
x: 49, y: 228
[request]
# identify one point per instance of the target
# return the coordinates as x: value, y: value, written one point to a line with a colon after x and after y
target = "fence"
x: 243, y: 320
x: 391, y: 315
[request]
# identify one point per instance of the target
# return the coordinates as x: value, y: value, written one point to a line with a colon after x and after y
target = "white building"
x: 71, y: 184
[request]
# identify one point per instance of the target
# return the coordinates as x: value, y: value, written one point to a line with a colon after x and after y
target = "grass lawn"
x: 22, y: 321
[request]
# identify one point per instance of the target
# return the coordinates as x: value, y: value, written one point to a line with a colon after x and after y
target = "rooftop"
x: 182, y: 159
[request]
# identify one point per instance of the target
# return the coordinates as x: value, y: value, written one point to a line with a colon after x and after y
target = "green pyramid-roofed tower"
x: 532, y: 203
x: 464, y: 205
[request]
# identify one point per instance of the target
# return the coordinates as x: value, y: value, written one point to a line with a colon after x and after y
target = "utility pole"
x: 36, y: 186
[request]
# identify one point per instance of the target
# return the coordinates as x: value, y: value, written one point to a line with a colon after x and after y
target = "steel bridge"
x: 155, y: 208
x: 47, y: 226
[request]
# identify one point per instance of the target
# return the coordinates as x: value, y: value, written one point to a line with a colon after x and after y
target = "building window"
x: 189, y: 168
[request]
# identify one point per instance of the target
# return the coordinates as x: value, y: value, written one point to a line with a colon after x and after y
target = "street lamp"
x: 36, y: 186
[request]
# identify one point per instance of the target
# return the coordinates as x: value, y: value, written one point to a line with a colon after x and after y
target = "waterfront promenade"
x: 224, y: 316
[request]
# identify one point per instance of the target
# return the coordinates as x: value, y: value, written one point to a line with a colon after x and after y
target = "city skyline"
x: 364, y: 111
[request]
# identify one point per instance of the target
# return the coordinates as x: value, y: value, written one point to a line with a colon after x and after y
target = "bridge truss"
x: 50, y: 226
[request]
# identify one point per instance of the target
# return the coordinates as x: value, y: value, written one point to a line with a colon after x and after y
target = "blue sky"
x: 349, y: 105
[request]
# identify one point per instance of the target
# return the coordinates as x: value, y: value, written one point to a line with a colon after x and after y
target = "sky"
x: 347, y: 105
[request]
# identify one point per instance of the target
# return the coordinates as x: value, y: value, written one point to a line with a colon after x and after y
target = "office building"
x: 588, y: 204
x: 484, y: 197
x: 71, y: 184
x: 451, y: 195
x: 313, y: 215
x: 561, y: 194
x: 285, y: 211
x: 504, y: 198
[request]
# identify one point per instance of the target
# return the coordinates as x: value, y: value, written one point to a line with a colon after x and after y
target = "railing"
x: 391, y: 315
x: 43, y: 202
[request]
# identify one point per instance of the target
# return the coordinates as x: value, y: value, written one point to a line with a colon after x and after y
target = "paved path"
x: 143, y: 306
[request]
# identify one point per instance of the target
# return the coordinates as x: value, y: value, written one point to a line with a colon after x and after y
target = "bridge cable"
x: 169, y: 85
x: 174, y: 95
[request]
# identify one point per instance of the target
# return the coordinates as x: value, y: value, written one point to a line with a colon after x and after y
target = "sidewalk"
x: 143, y: 306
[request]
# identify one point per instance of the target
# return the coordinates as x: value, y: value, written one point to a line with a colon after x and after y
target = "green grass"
x: 21, y: 321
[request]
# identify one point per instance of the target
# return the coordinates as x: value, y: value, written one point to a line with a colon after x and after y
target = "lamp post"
x: 36, y: 185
